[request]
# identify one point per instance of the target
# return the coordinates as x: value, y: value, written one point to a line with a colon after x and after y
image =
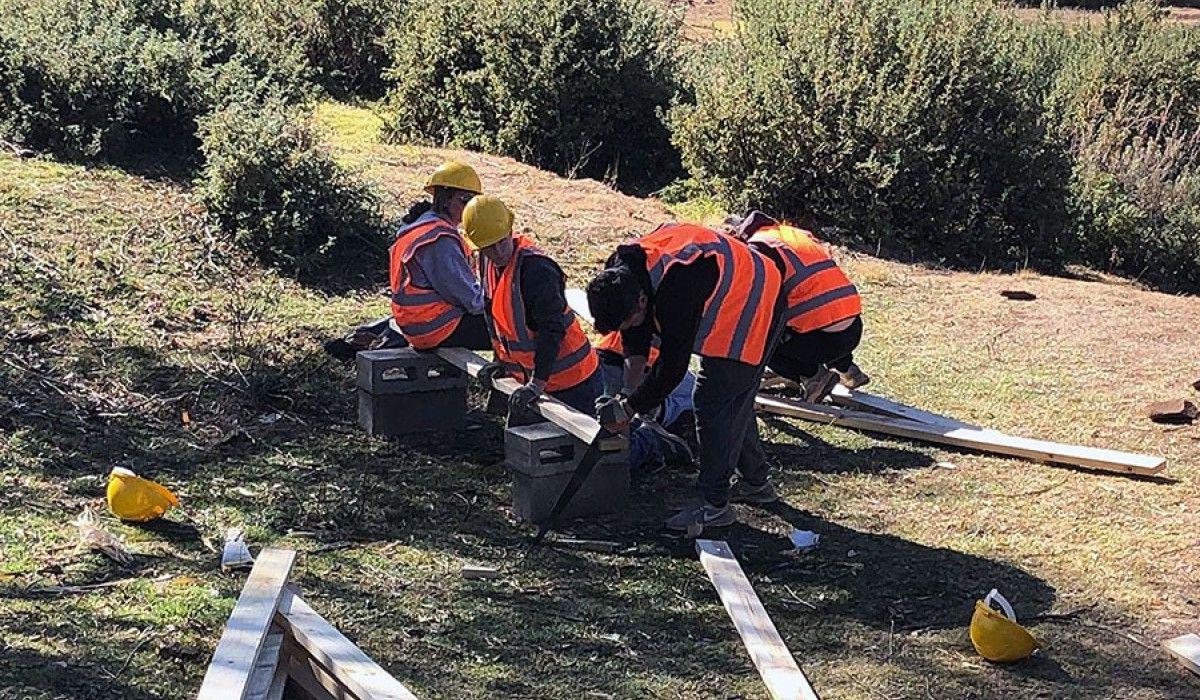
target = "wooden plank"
x: 229, y: 674
x: 779, y: 671
x: 344, y: 661
x: 266, y: 667
x: 854, y: 399
x: 312, y: 679
x: 1186, y: 650
x: 982, y: 440
x: 470, y: 571
x: 578, y: 424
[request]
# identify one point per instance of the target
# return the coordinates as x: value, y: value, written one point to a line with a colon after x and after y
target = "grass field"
x: 135, y: 337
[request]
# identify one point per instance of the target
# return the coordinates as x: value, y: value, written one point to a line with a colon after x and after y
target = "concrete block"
x: 421, y: 411
x: 404, y: 371
x: 543, y: 457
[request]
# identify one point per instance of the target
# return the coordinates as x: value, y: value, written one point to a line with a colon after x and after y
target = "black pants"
x: 800, y: 355
x: 726, y: 425
x: 472, y: 334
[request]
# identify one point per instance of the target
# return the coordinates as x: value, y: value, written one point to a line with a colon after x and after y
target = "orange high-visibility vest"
x: 612, y: 343
x: 424, y: 317
x: 736, y: 321
x: 513, y: 340
x: 818, y: 293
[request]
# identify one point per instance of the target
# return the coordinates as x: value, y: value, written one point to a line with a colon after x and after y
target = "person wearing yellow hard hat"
x: 436, y: 299
x: 536, y: 336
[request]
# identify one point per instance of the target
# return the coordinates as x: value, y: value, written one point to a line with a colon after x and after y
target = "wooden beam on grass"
x: 779, y: 671
x: 337, y: 655
x: 246, y: 634
x: 970, y: 438
x: 578, y: 424
x: 1186, y: 650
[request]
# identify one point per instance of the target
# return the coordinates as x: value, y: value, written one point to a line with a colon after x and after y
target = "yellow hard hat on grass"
x: 486, y: 220
x: 460, y: 176
x: 996, y: 635
x: 130, y: 497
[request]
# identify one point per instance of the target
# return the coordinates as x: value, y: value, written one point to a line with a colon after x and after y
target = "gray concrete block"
x: 421, y: 411
x: 543, y: 457
x: 404, y: 371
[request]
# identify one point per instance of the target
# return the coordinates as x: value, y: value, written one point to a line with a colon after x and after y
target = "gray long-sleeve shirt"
x: 442, y: 267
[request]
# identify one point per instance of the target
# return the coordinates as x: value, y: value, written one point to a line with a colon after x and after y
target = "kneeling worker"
x: 436, y: 299
x: 824, y: 311
x: 706, y: 293
x: 535, y: 334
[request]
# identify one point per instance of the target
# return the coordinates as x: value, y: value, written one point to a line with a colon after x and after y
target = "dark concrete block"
x: 400, y: 414
x: 404, y: 371
x: 543, y: 457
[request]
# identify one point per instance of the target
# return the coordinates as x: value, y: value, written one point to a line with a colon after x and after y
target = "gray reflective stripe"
x: 751, y: 307
x: 805, y: 271
x: 820, y: 300
x: 714, y: 302
x: 429, y: 326
x: 687, y: 254
x: 524, y: 341
x: 565, y: 363
x: 415, y: 298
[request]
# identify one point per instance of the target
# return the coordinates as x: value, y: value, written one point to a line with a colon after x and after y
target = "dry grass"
x: 119, y: 268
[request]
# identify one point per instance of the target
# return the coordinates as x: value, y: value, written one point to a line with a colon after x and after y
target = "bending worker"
x: 824, y: 311
x: 436, y: 298
x: 706, y: 293
x: 535, y: 334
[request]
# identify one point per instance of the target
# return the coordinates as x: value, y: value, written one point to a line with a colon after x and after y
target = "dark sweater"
x: 543, y: 290
x: 673, y: 314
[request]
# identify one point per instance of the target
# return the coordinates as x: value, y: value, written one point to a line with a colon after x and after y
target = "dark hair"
x: 416, y: 210
x: 612, y: 298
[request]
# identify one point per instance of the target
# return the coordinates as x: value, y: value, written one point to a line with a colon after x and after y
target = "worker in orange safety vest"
x: 536, y: 336
x: 703, y: 292
x: 824, y: 310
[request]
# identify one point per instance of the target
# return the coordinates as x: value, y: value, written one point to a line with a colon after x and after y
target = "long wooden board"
x: 578, y: 424
x: 339, y: 656
x: 266, y: 667
x: 230, y: 673
x: 1186, y: 650
x: 982, y: 440
x: 779, y: 671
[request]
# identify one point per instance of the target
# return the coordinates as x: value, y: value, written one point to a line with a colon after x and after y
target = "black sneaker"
x: 745, y: 492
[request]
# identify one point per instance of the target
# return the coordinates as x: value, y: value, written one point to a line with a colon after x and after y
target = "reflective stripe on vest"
x: 736, y: 320
x: 512, y: 339
x: 818, y: 292
x: 424, y: 317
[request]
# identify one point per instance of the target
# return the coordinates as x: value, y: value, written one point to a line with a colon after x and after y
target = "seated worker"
x: 670, y: 440
x: 535, y: 334
x: 706, y: 293
x: 436, y: 298
x: 824, y: 311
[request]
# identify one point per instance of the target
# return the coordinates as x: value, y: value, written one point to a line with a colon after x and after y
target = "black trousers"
x: 800, y: 355
x: 726, y: 425
x: 472, y: 334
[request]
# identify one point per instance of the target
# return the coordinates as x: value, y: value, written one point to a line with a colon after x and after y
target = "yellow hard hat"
x: 454, y: 174
x: 130, y: 497
x: 996, y: 635
x: 486, y: 220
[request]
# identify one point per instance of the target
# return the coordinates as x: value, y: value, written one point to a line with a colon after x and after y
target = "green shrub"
x: 916, y: 123
x: 90, y: 78
x: 280, y: 195
x: 1128, y: 101
x: 571, y: 85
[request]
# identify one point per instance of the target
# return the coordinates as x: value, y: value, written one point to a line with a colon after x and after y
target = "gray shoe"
x: 696, y: 518
x: 854, y: 377
x: 745, y: 492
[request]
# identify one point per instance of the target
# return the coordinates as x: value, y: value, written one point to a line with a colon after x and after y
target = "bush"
x: 281, y: 196
x: 571, y: 85
x: 1128, y: 101
x: 91, y: 78
x: 885, y: 117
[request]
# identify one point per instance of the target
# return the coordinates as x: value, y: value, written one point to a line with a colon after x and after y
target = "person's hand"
x: 488, y: 374
x: 525, y: 394
x: 614, y: 413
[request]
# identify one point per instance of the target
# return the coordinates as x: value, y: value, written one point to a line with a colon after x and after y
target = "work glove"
x: 614, y: 413
x: 488, y: 374
x: 525, y: 395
